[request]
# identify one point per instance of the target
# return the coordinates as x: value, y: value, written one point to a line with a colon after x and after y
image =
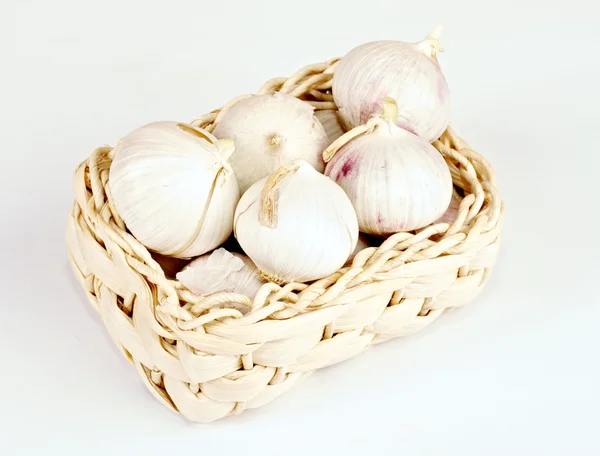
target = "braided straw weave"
x: 211, y: 356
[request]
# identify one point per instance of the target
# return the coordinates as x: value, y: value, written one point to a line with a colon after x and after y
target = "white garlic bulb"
x: 331, y: 122
x: 406, y: 72
x: 296, y: 225
x: 271, y: 131
x: 221, y: 270
x: 396, y: 180
x: 172, y: 186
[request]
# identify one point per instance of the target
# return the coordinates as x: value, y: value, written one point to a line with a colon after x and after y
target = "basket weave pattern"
x: 208, y: 357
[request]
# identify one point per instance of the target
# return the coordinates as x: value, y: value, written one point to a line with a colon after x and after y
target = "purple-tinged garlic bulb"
x: 407, y: 72
x: 395, y: 180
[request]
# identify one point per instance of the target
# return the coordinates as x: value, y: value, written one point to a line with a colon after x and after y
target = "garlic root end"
x: 275, y: 140
x: 270, y: 277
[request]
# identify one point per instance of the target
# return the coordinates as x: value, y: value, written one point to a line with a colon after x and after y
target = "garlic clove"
x: 396, y: 180
x: 407, y: 72
x: 271, y: 131
x: 331, y: 122
x: 172, y: 186
x: 296, y: 225
x: 221, y: 270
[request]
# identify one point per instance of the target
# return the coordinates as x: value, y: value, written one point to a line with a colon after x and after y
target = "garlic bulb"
x: 395, y: 180
x: 296, y: 225
x: 221, y: 271
x: 452, y: 212
x: 406, y: 72
x: 331, y: 122
x: 173, y: 187
x: 269, y: 132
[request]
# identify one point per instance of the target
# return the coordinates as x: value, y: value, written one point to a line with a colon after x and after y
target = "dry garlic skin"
x: 314, y: 233
x: 270, y: 131
x: 406, y: 72
x: 221, y: 270
x: 173, y: 188
x: 396, y: 182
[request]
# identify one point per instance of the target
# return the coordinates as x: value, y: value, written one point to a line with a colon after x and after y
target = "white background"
x: 518, y: 370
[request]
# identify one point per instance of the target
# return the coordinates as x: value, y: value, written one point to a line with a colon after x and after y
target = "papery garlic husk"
x: 296, y: 225
x: 221, y: 270
x: 406, y: 72
x: 271, y: 131
x: 396, y: 180
x: 172, y: 186
x: 330, y: 119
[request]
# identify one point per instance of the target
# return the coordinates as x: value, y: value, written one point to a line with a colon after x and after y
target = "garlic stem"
x: 436, y: 32
x: 269, y: 196
x: 430, y: 46
x: 342, y: 140
x: 390, y: 110
x: 390, y: 115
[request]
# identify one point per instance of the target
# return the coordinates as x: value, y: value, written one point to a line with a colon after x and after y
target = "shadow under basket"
x: 208, y: 357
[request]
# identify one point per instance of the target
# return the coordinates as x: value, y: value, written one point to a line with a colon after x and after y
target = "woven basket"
x: 212, y: 356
